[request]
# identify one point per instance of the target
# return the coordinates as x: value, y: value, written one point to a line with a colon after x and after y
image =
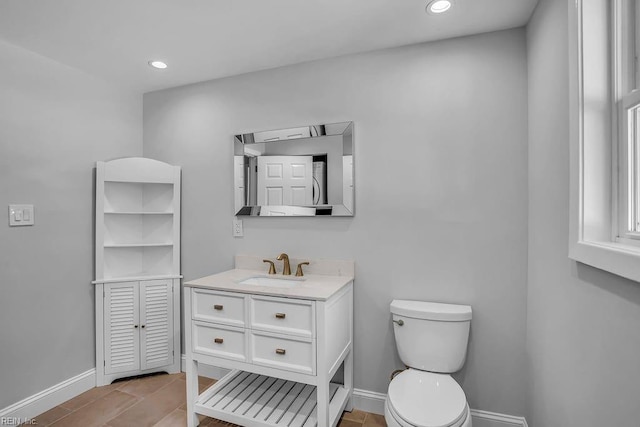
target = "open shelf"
x: 254, y: 400
x: 135, y: 245
x: 141, y: 230
x: 137, y: 219
x: 124, y: 262
x: 136, y: 213
x: 138, y: 197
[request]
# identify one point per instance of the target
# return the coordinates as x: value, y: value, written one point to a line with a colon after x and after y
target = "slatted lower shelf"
x: 250, y: 400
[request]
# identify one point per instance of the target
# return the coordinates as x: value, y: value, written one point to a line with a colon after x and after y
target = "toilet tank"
x: 431, y: 336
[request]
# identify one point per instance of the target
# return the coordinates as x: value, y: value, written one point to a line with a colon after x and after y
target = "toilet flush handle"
x: 400, y: 322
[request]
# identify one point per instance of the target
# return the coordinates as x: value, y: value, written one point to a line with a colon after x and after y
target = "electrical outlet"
x: 237, y: 228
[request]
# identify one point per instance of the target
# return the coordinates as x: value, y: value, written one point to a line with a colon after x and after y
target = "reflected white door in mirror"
x: 301, y: 171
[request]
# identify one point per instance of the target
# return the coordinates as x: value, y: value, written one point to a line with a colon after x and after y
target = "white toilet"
x: 432, y: 341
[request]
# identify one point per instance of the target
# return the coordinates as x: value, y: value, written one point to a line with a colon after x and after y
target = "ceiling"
x: 208, y: 39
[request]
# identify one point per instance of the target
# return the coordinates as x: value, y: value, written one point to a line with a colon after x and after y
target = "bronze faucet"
x: 287, y: 267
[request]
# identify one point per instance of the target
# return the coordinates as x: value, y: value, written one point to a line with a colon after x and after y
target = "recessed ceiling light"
x: 439, y: 6
x: 158, y: 64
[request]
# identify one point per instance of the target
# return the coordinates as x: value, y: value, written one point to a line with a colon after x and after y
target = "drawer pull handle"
x: 280, y: 351
x: 218, y: 340
x: 218, y: 307
x: 281, y: 315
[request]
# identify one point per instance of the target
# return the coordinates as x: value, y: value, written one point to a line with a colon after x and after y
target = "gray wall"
x: 55, y: 122
x: 441, y: 181
x: 582, y: 331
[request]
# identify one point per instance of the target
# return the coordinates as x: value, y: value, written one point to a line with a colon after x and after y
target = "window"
x: 626, y: 75
x: 605, y: 135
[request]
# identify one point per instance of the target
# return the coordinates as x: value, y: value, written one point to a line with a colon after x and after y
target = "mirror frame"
x: 242, y: 143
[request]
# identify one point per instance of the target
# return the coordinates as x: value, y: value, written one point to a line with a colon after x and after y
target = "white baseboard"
x: 371, y: 401
x: 493, y: 419
x: 368, y: 401
x: 47, y: 399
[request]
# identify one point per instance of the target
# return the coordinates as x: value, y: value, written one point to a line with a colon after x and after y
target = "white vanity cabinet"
x: 137, y: 286
x: 282, y: 349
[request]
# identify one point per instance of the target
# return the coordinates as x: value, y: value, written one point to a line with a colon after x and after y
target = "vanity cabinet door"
x: 283, y: 315
x: 218, y: 307
x: 121, y: 333
x: 220, y: 341
x: 282, y: 352
x: 156, y: 323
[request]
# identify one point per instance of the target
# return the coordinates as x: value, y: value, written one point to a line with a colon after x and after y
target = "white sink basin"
x: 272, y: 282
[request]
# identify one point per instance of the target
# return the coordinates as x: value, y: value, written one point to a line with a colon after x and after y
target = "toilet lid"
x: 427, y: 399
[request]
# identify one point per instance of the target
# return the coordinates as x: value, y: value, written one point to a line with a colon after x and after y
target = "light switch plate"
x: 20, y: 215
x: 237, y: 228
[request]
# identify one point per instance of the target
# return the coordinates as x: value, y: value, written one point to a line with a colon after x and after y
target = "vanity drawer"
x: 283, y: 315
x: 218, y: 307
x: 288, y: 353
x: 220, y: 341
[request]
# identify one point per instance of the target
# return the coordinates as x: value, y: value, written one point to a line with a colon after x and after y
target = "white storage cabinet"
x: 137, y: 268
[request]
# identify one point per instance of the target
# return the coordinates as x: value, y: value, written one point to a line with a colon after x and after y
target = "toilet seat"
x: 426, y: 399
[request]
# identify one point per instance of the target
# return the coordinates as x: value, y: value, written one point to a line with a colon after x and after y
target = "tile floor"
x: 158, y: 400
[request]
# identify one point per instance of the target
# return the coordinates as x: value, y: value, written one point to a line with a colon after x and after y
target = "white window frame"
x: 595, y: 149
x: 629, y: 132
x: 625, y: 78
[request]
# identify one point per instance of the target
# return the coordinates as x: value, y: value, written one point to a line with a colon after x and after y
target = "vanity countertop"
x: 318, y: 287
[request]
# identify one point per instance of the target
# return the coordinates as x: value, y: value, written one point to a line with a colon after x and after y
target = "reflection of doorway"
x: 347, y: 182
x: 285, y: 180
x: 320, y: 179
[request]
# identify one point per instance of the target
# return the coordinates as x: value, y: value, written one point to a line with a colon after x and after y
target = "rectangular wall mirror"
x: 303, y: 171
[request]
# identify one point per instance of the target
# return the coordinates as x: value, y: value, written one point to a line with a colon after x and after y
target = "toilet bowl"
x: 432, y: 342
x: 425, y: 399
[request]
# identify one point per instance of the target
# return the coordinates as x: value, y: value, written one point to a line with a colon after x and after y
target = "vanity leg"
x: 192, y: 392
x: 348, y: 379
x: 323, y: 403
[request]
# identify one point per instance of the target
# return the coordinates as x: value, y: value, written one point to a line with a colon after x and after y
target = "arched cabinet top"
x: 138, y: 169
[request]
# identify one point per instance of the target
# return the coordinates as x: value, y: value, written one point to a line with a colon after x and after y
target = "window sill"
x: 620, y: 259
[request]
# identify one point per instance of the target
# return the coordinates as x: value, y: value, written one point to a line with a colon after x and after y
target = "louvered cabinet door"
x: 156, y: 323
x: 122, y: 337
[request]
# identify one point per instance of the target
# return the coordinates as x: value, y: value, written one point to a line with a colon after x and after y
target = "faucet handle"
x: 299, y: 270
x: 272, y: 266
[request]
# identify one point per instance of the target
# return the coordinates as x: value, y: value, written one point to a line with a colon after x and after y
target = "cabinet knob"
x: 281, y: 315
x: 218, y: 340
x: 218, y: 307
x: 280, y: 351
x: 135, y: 326
x: 143, y: 326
